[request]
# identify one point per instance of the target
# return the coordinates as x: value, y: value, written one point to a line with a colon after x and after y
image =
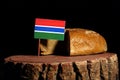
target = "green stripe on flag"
x: 42, y: 35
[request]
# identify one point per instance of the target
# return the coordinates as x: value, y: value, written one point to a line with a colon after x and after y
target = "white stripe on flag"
x: 49, y: 32
x: 49, y: 26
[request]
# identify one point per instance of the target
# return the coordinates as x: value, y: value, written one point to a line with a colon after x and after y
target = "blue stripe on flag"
x: 49, y: 29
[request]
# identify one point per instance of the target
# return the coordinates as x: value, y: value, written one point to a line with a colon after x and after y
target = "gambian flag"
x: 49, y: 29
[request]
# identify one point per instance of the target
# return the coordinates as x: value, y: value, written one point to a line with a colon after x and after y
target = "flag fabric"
x: 49, y: 29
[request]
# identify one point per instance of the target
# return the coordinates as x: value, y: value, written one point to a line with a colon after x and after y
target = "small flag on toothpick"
x: 49, y: 29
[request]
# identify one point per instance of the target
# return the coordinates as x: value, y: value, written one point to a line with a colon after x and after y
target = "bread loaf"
x: 77, y: 42
x: 83, y: 42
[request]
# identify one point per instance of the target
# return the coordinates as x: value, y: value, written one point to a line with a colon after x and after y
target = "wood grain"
x: 102, y: 66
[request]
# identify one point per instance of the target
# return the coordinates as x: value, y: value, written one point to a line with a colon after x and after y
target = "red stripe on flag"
x: 49, y: 22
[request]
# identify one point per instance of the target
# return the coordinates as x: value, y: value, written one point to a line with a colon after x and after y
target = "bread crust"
x: 85, y: 42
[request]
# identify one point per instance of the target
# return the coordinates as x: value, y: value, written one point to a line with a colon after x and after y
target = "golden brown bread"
x: 48, y: 46
x: 77, y: 42
x: 83, y: 42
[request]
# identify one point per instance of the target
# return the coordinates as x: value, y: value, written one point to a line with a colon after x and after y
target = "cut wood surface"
x: 102, y: 66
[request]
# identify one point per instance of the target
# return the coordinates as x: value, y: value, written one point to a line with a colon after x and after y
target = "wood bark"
x: 67, y: 68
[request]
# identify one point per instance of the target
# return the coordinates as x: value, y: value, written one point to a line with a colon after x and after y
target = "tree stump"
x: 102, y: 66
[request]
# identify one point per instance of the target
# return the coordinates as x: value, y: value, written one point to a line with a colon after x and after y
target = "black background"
x: 18, y: 30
